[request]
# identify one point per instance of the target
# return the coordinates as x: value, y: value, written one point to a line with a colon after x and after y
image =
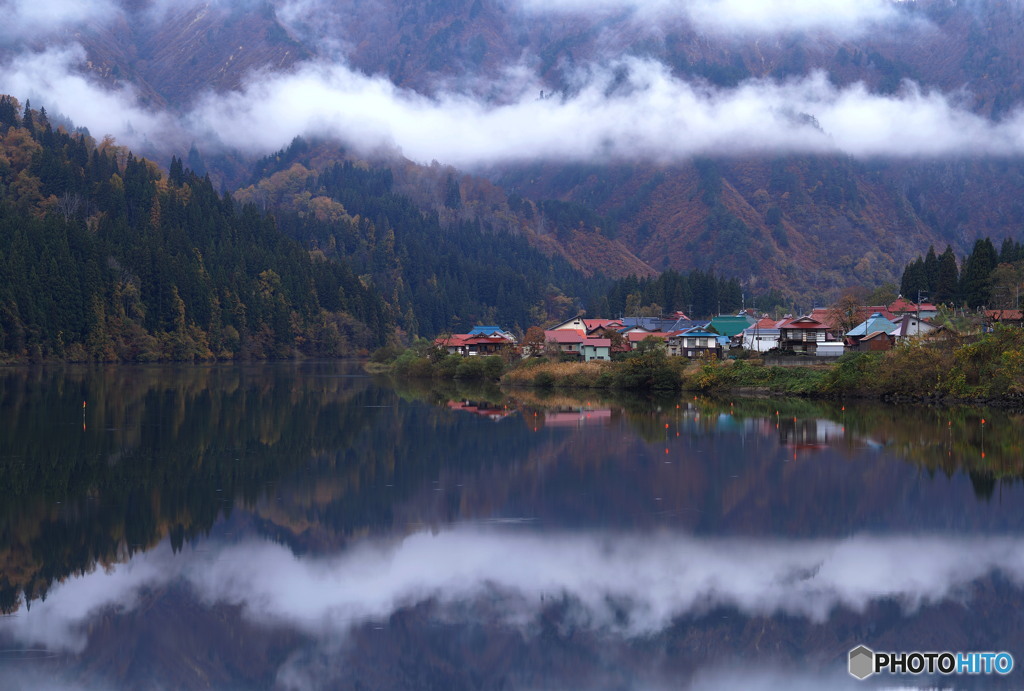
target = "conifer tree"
x: 974, y: 286
x: 931, y: 270
x: 948, y: 280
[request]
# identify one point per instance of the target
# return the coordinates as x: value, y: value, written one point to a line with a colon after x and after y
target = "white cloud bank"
x: 648, y: 115
x: 651, y: 115
x: 29, y: 20
x: 846, y: 18
x: 654, y: 579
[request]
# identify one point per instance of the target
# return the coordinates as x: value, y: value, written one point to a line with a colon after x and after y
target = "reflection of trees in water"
x: 167, y: 451
x: 162, y: 450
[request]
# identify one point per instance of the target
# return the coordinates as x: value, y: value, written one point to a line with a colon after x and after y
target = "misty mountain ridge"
x: 803, y: 147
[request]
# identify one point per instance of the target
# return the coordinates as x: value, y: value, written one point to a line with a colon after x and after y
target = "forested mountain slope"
x: 443, y: 260
x: 103, y: 257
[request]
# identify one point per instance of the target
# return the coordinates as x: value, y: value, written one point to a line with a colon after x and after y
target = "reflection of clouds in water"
x: 58, y: 623
x: 650, y: 579
x: 771, y: 680
x: 21, y: 679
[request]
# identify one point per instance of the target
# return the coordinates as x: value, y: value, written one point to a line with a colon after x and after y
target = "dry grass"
x: 560, y: 371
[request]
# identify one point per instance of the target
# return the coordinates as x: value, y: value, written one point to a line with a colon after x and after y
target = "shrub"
x: 448, y: 366
x: 649, y: 370
x: 408, y: 364
x: 490, y: 368
x: 911, y: 370
x: 385, y: 354
x: 544, y: 380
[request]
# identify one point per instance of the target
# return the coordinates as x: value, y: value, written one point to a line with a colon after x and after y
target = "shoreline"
x: 988, y: 371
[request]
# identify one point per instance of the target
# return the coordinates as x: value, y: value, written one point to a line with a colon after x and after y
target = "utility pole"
x: 918, y: 311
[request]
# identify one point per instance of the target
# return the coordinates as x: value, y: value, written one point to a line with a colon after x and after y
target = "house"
x: 576, y: 323
x: 481, y: 340
x: 802, y: 335
x: 568, y: 341
x: 635, y: 338
x: 762, y: 336
x: 925, y: 310
x: 909, y: 326
x: 601, y: 326
x: 649, y: 323
x: 454, y: 344
x: 685, y: 322
x: 1011, y: 317
x: 485, y: 345
x: 605, y: 330
x: 465, y: 344
x: 695, y: 343
x: 826, y: 316
x: 729, y: 326
x: 596, y: 349
x: 870, y: 327
x: 492, y: 332
x: 876, y: 341
x: 626, y: 330
x: 830, y: 349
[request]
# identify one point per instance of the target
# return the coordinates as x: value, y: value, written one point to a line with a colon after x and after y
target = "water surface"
x: 305, y: 526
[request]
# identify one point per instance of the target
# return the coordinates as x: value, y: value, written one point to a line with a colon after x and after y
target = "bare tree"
x: 845, y: 314
x: 68, y: 204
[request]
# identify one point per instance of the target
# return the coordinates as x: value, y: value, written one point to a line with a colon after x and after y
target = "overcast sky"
x: 649, y: 115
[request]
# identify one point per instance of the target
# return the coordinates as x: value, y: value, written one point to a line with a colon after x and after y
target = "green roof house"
x: 729, y: 326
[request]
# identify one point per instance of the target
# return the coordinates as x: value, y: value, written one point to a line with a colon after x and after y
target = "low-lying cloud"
x: 628, y: 109
x: 654, y: 580
x: 634, y: 110
x: 30, y: 20
x: 743, y: 17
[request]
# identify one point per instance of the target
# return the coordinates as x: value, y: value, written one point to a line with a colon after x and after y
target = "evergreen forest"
x: 105, y: 258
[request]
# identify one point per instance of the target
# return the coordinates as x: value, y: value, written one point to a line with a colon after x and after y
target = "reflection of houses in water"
x: 579, y: 417
x: 482, y: 408
x: 810, y: 434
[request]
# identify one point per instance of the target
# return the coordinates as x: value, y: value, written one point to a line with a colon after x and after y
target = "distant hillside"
x: 445, y: 251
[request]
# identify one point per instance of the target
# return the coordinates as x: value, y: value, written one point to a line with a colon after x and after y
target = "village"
x: 816, y: 337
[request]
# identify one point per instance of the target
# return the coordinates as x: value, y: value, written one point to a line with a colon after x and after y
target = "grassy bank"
x: 988, y: 368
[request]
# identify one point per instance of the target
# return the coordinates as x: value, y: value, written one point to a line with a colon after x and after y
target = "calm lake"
x: 305, y: 526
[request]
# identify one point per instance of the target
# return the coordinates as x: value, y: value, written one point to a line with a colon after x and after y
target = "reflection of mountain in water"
x: 314, y: 457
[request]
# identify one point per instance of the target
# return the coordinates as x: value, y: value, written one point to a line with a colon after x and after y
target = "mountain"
x: 104, y: 257
x: 798, y: 149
